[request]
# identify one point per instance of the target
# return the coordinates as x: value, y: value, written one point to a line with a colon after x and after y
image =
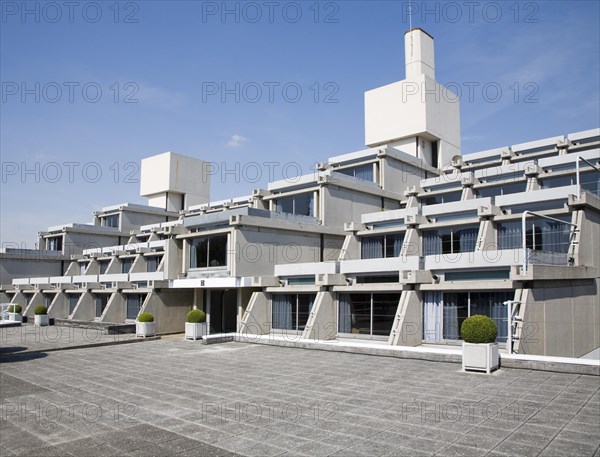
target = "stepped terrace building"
x: 396, y: 243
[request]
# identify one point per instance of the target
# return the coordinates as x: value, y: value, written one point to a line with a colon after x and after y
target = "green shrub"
x: 15, y: 309
x: 479, y: 329
x: 196, y: 316
x: 145, y: 317
x: 40, y: 310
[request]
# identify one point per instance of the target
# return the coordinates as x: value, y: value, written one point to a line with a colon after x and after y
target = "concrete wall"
x: 562, y: 318
x: 322, y: 322
x: 257, y: 250
x: 33, y: 300
x: 86, y: 308
x: 342, y: 205
x: 257, y: 318
x: 116, y: 309
x: 60, y: 306
x: 76, y: 242
x: 169, y: 308
x: 408, y: 324
x: 29, y: 265
x: 397, y: 176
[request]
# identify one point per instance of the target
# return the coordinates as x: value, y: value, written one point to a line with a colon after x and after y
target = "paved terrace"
x: 173, y: 397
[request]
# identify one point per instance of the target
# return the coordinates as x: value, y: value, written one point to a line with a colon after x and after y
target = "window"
x: 209, y: 252
x: 504, y: 189
x: 134, y: 304
x: 291, y: 311
x: 126, y: 264
x: 82, y: 268
x: 558, y: 181
x: 363, y: 172
x: 101, y: 302
x: 457, y: 306
x: 441, y: 198
x: 103, y: 265
x: 55, y: 243
x: 367, y: 314
x: 73, y: 299
x: 381, y: 246
x: 541, y: 235
x: 152, y: 263
x: 590, y: 182
x: 449, y: 240
x: 301, y: 204
x: 110, y: 221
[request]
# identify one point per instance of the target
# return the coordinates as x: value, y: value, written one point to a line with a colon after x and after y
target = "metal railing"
x: 581, y: 159
x: 524, y: 233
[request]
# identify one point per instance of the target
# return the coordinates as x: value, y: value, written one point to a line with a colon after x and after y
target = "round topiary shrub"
x: 479, y: 329
x: 145, y: 317
x: 15, y: 309
x: 196, y: 316
x: 40, y: 310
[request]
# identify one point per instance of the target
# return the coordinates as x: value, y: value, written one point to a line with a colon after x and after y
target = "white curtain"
x: 432, y: 302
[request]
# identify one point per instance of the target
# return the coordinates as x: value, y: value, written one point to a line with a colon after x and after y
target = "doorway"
x: 223, y: 310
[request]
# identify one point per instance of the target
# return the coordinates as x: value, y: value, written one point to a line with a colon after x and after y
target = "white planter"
x: 145, y: 329
x: 480, y: 357
x: 15, y: 317
x: 41, y: 320
x: 195, y: 331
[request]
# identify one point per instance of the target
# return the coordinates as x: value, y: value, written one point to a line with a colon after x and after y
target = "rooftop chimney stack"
x: 418, y: 54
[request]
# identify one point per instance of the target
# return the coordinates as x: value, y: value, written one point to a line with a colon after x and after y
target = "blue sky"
x: 88, y: 92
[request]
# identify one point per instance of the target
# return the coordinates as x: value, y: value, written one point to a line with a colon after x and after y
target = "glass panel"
x: 384, y: 311
x: 282, y: 311
x: 371, y: 247
x: 218, y: 251
x: 284, y: 205
x: 134, y: 303
x: 432, y: 243
x: 101, y: 302
x: 73, y: 299
x: 126, y: 265
x: 364, y: 172
x: 151, y: 264
x: 558, y: 181
x: 360, y: 313
x: 305, y: 304
x: 304, y: 204
x: 590, y: 182
x: 455, y: 312
x: 199, y: 253
x: 103, y: 266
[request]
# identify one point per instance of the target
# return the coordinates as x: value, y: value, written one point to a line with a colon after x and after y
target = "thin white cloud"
x: 236, y: 140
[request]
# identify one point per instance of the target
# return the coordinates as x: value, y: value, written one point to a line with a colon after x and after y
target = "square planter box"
x: 41, y: 320
x: 195, y: 331
x: 145, y: 329
x: 15, y: 317
x: 480, y: 357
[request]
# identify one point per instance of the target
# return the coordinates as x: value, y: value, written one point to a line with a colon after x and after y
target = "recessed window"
x: 449, y: 240
x: 541, y: 235
x: 363, y: 172
x: 54, y: 243
x: 291, y: 311
x: 126, y: 264
x: 367, y: 314
x: 301, y: 204
x: 209, y: 252
x: 381, y: 246
x: 152, y: 263
x: 134, y: 304
x: 110, y: 221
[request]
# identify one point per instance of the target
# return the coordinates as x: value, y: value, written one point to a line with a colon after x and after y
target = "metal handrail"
x: 579, y: 158
x: 524, y: 233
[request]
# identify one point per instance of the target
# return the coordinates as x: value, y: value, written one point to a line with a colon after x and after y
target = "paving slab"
x: 172, y: 397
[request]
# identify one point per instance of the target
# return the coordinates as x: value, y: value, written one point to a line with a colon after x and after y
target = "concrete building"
x: 396, y: 243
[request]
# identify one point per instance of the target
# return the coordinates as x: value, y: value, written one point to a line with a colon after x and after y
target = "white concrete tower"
x: 174, y: 181
x: 417, y: 115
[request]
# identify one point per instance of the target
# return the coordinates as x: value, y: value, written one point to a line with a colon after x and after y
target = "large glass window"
x: 542, y: 235
x: 301, y: 204
x: 134, y: 304
x: 55, y: 243
x: 590, y: 182
x: 457, y: 306
x: 503, y: 189
x: 209, y: 252
x: 364, y: 172
x: 73, y: 299
x: 291, y: 311
x: 440, y: 198
x: 101, y: 302
x: 110, y: 221
x: 152, y: 263
x: 449, y: 240
x: 126, y: 264
x: 380, y: 246
x: 367, y: 314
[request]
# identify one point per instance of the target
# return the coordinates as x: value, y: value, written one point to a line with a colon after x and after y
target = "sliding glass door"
x: 367, y: 315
